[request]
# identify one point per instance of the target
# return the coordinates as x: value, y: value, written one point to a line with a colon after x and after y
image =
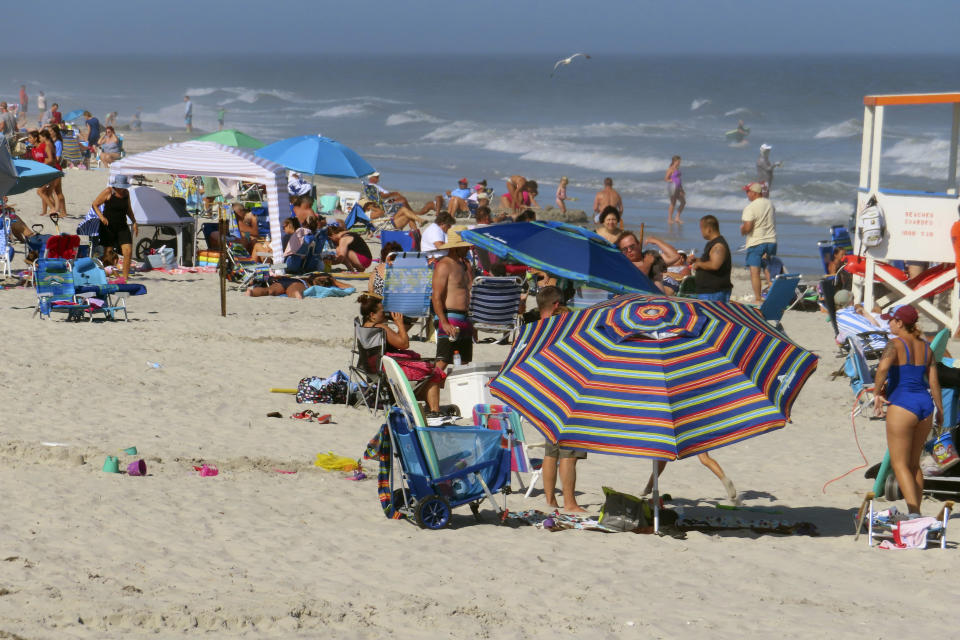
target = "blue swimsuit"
x: 909, y: 387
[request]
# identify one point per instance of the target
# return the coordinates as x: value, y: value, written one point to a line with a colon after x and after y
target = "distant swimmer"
x: 739, y: 134
x: 765, y: 168
x: 607, y: 197
x: 565, y: 61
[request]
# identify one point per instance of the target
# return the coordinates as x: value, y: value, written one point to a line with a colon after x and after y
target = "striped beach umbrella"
x: 653, y: 377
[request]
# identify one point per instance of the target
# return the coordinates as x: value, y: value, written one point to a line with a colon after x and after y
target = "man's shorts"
x: 550, y: 450
x: 463, y: 343
x: 717, y: 296
x: 755, y: 253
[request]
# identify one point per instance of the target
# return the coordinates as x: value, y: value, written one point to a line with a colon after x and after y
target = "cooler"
x: 467, y: 385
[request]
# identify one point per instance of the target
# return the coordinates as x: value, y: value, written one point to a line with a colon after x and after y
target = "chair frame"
x: 511, y: 329
x: 776, y: 302
x: 412, y: 256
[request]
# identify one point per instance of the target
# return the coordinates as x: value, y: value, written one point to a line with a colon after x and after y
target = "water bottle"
x: 456, y: 359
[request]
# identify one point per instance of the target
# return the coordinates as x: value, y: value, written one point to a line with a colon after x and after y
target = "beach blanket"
x: 316, y: 291
x: 379, y: 449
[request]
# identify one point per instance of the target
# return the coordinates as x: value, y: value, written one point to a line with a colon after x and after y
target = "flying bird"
x: 566, y: 61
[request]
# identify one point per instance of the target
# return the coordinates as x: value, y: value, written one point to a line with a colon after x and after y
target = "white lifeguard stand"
x: 918, y: 222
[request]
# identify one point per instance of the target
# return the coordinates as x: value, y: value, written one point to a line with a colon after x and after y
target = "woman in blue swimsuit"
x: 912, y: 391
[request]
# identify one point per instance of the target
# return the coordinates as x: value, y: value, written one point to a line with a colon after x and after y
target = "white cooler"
x: 467, y: 385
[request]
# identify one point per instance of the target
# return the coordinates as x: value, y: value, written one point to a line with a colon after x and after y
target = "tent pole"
x: 222, y: 263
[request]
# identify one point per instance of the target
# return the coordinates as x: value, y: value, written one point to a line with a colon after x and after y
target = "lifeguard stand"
x: 918, y: 222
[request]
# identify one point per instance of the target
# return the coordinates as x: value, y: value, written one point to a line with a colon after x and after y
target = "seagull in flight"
x: 566, y: 61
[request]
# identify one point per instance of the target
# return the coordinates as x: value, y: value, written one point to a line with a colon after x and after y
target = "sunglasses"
x: 629, y: 248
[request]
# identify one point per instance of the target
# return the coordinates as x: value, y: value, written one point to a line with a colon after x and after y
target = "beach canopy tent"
x: 195, y: 158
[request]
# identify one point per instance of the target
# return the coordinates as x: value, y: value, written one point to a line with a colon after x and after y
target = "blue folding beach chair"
x: 405, y: 239
x: 495, y: 304
x: 89, y: 277
x: 408, y: 286
x: 6, y: 251
x: 358, y: 218
x: 779, y: 298
x: 53, y: 281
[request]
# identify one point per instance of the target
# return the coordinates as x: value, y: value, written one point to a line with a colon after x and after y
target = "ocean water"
x: 427, y: 121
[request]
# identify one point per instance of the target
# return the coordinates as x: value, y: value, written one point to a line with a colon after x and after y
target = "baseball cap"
x: 905, y: 313
x: 756, y: 187
x: 375, y: 174
x: 765, y: 147
x: 463, y: 181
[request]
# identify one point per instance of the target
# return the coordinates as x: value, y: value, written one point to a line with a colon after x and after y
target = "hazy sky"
x: 554, y: 27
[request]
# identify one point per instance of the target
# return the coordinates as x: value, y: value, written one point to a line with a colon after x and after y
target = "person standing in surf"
x: 765, y: 169
x: 678, y: 199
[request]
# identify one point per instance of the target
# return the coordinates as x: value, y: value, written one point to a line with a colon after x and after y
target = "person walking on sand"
x: 713, y: 267
x: 24, y: 103
x: 765, y: 169
x: 557, y: 461
x: 678, y: 199
x: 607, y: 197
x: 910, y: 397
x: 188, y: 113
x: 562, y: 194
x: 759, y: 225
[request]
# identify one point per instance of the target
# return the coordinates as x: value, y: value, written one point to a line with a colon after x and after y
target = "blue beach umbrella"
x: 8, y: 172
x: 73, y: 115
x: 564, y: 250
x: 318, y: 156
x: 653, y: 377
x: 31, y: 175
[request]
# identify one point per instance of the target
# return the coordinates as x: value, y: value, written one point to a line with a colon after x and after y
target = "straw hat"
x: 453, y: 238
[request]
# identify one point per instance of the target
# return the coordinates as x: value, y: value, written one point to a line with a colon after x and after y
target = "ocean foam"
x: 243, y: 94
x: 920, y: 158
x: 845, y: 129
x: 343, y: 111
x: 698, y: 103
x: 411, y: 116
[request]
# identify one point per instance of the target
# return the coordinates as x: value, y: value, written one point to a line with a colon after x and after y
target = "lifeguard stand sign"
x: 917, y: 222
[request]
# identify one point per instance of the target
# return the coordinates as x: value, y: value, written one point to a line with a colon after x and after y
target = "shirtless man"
x: 452, y: 277
x: 247, y: 227
x: 520, y: 194
x: 607, y: 197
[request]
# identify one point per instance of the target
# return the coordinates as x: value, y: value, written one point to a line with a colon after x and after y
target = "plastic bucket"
x: 944, y: 451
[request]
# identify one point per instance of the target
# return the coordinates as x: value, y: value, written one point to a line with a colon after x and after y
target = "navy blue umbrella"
x: 317, y: 156
x: 563, y: 250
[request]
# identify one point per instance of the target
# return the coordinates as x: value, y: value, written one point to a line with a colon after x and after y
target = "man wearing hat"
x: 452, y: 277
x: 758, y: 224
x: 114, y: 231
x: 765, y: 168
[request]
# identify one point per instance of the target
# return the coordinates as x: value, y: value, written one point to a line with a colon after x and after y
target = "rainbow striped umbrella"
x: 653, y: 377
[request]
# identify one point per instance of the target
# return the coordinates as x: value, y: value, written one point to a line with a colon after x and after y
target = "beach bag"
x: 871, y: 225
x: 316, y: 390
x: 624, y: 512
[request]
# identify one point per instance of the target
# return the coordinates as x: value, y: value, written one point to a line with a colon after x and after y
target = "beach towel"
x: 379, y: 449
x: 910, y: 534
x: 850, y: 323
x: 316, y: 291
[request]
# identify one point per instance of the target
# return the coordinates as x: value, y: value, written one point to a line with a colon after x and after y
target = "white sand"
x: 255, y: 553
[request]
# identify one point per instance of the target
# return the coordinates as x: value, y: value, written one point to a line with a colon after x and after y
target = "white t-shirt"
x: 761, y: 212
x: 431, y: 235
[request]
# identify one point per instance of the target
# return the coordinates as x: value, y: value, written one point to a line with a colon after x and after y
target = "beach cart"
x: 436, y: 469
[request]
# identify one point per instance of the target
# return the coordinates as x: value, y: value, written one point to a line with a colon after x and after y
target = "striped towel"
x: 850, y: 323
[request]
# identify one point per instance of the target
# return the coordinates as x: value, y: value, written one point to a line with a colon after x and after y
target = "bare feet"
x: 553, y: 504
x: 574, y: 508
x: 731, y: 490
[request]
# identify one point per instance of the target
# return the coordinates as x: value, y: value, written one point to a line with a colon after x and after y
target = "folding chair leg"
x: 534, y: 478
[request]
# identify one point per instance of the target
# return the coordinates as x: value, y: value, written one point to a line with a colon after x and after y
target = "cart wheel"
x: 143, y: 249
x: 475, y: 508
x: 891, y: 490
x: 433, y: 512
x: 398, y: 496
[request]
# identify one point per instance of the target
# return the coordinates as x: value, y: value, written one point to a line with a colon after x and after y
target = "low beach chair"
x: 861, y: 377
x: 492, y: 416
x: 89, y: 277
x: 365, y: 366
x: 408, y: 286
x: 406, y: 239
x: 779, y: 298
x: 688, y: 288
x: 495, y: 304
x: 53, y: 282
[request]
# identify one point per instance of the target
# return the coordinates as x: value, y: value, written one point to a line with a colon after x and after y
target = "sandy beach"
x: 254, y: 552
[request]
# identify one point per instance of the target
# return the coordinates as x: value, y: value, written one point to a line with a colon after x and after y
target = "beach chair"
x: 6, y: 250
x: 408, y: 286
x: 365, y: 366
x: 495, y: 304
x: 72, y: 154
x: 89, y: 277
x: 688, y: 287
x: 779, y: 298
x: 492, y: 416
x: 347, y: 199
x: 358, y: 218
x: 406, y: 239
x: 327, y: 204
x: 53, y: 282
x: 861, y: 377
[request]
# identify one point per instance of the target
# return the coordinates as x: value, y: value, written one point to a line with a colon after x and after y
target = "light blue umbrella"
x: 317, y: 156
x: 31, y: 175
x: 564, y: 250
x: 73, y: 115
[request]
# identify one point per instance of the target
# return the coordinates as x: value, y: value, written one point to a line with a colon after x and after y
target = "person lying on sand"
x: 293, y: 287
